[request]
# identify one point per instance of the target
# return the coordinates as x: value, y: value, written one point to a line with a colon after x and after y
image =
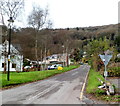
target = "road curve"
x: 64, y: 88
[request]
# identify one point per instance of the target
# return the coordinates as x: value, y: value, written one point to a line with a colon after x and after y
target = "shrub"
x: 117, y: 59
x: 114, y: 72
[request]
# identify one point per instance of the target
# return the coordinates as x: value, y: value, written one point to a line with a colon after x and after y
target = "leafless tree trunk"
x: 41, y: 60
x: 45, y: 58
x: 36, y: 50
x: 37, y: 20
x: 67, y: 57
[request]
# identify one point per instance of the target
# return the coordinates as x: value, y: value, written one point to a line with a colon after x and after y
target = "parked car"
x: 27, y: 67
x: 54, y: 66
x: 81, y: 63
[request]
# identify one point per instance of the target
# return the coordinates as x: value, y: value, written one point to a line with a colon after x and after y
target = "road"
x: 64, y: 88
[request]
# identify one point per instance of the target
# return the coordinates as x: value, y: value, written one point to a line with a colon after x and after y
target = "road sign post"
x: 105, y: 58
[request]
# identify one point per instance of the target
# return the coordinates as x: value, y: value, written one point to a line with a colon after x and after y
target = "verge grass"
x: 93, y: 81
x: 24, y: 77
x: 92, y: 88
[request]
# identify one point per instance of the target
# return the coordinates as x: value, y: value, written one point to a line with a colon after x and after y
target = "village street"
x: 61, y: 89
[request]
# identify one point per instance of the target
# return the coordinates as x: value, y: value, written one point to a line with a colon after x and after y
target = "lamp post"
x: 10, y: 21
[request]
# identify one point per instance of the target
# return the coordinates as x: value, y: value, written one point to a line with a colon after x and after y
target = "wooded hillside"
x: 57, y: 40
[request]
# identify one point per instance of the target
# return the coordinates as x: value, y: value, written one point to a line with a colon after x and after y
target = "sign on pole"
x: 105, y: 58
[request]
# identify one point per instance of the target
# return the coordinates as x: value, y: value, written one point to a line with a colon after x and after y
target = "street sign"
x: 105, y: 58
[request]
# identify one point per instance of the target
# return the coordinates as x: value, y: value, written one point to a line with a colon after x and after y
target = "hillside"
x: 54, y: 39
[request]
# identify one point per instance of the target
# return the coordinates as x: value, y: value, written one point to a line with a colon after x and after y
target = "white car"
x: 54, y: 66
x: 27, y: 67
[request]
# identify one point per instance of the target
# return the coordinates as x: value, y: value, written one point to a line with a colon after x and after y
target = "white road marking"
x: 75, y: 73
x: 32, y: 98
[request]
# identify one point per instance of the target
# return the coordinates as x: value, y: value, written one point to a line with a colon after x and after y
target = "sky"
x: 75, y: 13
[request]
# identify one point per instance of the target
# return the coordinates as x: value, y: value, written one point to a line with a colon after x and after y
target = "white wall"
x: 19, y: 64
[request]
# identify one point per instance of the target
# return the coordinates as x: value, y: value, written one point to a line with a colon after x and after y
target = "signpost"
x: 105, y: 58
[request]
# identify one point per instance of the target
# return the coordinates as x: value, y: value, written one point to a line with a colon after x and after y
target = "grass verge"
x: 92, y: 88
x: 93, y: 82
x: 24, y: 77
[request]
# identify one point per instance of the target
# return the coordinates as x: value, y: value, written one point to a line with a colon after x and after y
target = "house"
x: 57, y: 58
x: 16, y: 59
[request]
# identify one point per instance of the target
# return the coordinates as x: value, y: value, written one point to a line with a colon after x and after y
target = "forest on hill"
x: 52, y: 41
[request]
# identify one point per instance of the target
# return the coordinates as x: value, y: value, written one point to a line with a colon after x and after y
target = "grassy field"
x: 24, y: 77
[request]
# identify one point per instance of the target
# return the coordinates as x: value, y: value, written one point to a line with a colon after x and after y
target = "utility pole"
x: 45, y: 57
x: 67, y: 53
x: 63, y: 59
x: 66, y: 56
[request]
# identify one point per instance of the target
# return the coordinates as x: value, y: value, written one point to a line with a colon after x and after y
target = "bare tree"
x: 49, y: 24
x: 2, y: 18
x: 37, y: 20
x: 11, y: 8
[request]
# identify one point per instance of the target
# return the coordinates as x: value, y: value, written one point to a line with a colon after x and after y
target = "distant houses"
x: 57, y: 58
x: 16, y: 59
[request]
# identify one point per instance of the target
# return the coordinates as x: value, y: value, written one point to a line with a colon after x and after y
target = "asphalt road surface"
x: 64, y: 88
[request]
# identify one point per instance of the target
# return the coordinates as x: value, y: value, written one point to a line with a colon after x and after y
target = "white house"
x: 16, y: 59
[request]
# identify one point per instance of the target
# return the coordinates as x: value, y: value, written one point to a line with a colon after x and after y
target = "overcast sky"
x: 77, y: 13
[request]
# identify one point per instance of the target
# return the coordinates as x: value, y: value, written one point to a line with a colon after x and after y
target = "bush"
x: 117, y: 59
x: 114, y: 72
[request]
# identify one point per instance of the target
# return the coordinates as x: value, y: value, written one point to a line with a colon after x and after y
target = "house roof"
x: 13, y: 50
x: 17, y: 47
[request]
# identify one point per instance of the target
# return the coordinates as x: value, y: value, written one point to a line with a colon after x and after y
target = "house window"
x: 3, y: 65
x: 13, y: 65
x: 47, y: 58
